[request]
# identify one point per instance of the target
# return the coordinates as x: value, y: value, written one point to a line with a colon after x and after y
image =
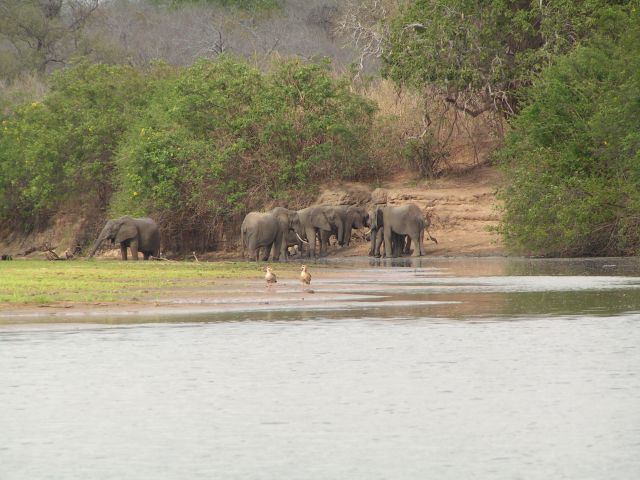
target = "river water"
x: 439, y: 368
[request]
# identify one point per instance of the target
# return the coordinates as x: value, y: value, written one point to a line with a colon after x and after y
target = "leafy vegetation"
x: 195, y: 147
x: 572, y: 159
x: 479, y: 55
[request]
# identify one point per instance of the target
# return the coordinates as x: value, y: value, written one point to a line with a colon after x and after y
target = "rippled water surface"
x: 446, y: 369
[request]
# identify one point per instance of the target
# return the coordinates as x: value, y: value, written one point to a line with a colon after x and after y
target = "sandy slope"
x: 462, y: 208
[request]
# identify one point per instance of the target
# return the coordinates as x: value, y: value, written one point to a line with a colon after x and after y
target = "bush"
x: 196, y: 148
x: 62, y: 147
x: 223, y: 139
x: 572, y: 158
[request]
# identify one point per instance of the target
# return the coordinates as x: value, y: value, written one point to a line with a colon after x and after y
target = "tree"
x: 480, y: 55
x: 43, y: 33
x: 572, y: 160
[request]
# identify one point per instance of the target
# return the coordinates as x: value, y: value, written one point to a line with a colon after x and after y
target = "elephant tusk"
x: 367, y: 232
x: 300, y: 238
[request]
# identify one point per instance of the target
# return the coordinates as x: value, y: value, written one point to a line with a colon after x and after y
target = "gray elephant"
x: 402, y: 220
x: 315, y: 220
x: 138, y: 234
x: 350, y: 217
x: 268, y: 231
x: 290, y: 226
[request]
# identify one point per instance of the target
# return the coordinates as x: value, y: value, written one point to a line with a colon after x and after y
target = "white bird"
x: 270, y: 277
x: 305, y: 277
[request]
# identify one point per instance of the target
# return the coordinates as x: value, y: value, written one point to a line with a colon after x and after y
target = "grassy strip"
x: 44, y: 282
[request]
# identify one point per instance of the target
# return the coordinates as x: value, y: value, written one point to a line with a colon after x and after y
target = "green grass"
x: 43, y: 282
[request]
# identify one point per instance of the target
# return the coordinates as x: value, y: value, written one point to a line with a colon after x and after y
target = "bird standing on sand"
x: 270, y: 277
x: 305, y: 277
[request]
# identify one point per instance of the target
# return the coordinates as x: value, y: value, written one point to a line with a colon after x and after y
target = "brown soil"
x: 462, y: 207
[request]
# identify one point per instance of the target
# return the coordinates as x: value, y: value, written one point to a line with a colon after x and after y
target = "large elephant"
x: 138, y: 234
x: 350, y: 217
x: 268, y: 231
x: 315, y: 220
x: 289, y: 222
x: 401, y: 220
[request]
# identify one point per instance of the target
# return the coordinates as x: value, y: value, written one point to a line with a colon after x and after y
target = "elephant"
x: 290, y: 226
x: 268, y: 231
x: 139, y: 234
x: 315, y: 220
x: 350, y: 217
x: 402, y: 220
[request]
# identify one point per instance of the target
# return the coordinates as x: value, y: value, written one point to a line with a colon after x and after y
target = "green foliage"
x: 480, y: 54
x: 194, y: 147
x: 222, y: 139
x: 63, y: 146
x: 572, y: 159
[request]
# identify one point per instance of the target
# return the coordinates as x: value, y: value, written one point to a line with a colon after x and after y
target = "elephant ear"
x: 379, y: 223
x: 319, y: 220
x: 126, y: 231
x: 355, y: 218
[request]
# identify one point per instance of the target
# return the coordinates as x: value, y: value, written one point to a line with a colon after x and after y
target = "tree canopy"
x: 479, y: 55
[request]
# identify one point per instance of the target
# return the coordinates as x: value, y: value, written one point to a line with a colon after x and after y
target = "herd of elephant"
x: 276, y: 231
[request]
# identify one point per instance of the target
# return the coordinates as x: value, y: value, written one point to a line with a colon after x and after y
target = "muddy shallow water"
x: 411, y: 369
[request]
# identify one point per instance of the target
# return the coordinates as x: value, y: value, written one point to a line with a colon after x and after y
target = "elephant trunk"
x: 97, y: 243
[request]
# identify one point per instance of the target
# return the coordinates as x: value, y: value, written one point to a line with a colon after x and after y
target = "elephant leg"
x: 134, y: 250
x: 388, y: 242
x: 324, y: 239
x: 324, y: 242
x: 407, y: 245
x: 421, y: 243
x: 311, y: 237
x: 267, y: 251
x: 284, y: 251
x: 123, y: 251
x: 418, y: 250
x: 378, y: 239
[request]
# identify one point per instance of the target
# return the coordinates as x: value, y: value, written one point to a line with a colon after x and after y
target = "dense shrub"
x: 481, y: 54
x: 195, y: 147
x: 223, y: 139
x: 572, y: 160
x: 63, y: 146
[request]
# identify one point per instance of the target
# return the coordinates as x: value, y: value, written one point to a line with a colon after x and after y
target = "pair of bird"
x: 305, y: 276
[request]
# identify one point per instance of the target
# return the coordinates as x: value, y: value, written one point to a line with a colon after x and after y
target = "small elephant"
x: 138, y: 234
x: 349, y: 217
x: 402, y: 220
